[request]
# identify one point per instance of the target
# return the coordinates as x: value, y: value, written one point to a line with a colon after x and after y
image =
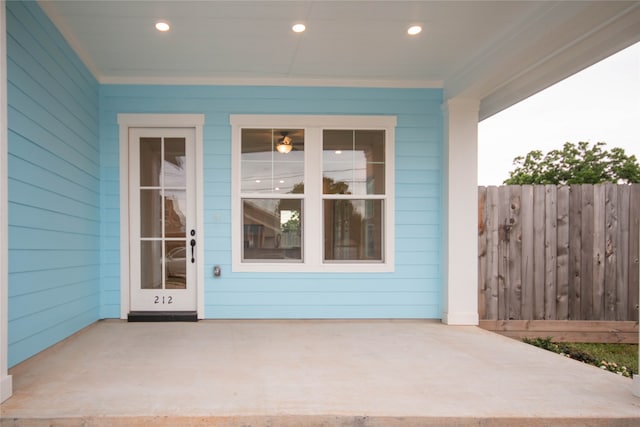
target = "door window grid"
x: 163, y: 230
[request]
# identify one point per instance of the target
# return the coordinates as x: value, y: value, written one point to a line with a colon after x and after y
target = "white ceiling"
x: 498, y: 52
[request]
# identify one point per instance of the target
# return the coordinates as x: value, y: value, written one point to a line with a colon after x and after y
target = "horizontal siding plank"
x: 38, y: 281
x: 54, y: 332
x: 268, y: 298
x: 36, y: 123
x: 25, y: 171
x: 339, y: 286
x: 28, y: 304
x: 44, y: 87
x: 30, y: 216
x: 322, y: 312
x: 22, y: 238
x: 57, y: 59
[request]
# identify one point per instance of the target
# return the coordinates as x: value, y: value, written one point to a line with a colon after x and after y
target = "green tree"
x: 575, y: 164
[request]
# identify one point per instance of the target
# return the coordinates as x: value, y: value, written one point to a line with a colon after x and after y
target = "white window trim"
x: 312, y: 239
x: 126, y: 121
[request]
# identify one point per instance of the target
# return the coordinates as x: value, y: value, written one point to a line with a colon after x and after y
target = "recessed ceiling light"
x: 414, y: 30
x: 299, y: 28
x: 162, y: 26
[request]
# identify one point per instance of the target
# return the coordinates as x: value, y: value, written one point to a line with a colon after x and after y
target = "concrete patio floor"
x: 309, y: 373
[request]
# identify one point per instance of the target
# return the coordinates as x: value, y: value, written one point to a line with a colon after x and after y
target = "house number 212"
x: 162, y: 300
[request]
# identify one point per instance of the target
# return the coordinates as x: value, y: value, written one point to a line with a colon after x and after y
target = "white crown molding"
x: 272, y: 81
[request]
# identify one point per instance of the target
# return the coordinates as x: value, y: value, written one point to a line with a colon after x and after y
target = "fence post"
x: 635, y: 385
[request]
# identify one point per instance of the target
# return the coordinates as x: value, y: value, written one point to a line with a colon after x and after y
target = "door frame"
x: 125, y: 122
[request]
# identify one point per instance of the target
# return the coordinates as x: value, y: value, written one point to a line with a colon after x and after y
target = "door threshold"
x: 163, y: 316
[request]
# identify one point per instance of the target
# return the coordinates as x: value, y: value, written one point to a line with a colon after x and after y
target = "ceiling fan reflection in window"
x: 285, y: 143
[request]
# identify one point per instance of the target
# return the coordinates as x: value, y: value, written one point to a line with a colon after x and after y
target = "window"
x: 312, y: 193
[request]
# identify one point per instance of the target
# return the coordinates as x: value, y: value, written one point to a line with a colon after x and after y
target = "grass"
x: 621, y: 359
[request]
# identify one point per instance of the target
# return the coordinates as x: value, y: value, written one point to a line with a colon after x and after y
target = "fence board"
x: 634, y: 252
x: 610, y: 250
x: 622, y: 251
x: 514, y: 294
x: 559, y: 253
x: 575, y: 251
x: 493, y: 243
x: 482, y: 251
x: 550, y: 248
x: 526, y: 220
x: 599, y: 226
x: 504, y: 232
x: 562, y: 257
x: 538, y: 251
x: 586, y: 262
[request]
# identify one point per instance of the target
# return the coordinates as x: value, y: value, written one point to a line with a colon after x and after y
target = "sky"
x: 598, y: 104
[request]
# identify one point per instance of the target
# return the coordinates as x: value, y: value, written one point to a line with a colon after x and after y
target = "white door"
x: 163, y: 235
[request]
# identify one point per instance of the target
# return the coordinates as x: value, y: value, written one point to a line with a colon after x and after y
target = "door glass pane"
x: 353, y: 230
x: 150, y: 155
x: 272, y: 229
x: 176, y: 265
x: 150, y: 264
x: 150, y: 213
x: 174, y: 162
x: 175, y: 220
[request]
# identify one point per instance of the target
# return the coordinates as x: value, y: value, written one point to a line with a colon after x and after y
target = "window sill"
x: 284, y: 267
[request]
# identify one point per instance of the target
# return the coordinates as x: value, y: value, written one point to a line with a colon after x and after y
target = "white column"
x: 460, y: 218
x: 6, y: 387
x: 635, y: 385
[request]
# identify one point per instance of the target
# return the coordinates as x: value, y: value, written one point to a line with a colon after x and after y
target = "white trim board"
x: 6, y: 386
x: 313, y: 125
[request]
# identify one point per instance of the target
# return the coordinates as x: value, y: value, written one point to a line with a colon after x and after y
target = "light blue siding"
x: 54, y: 185
x: 412, y: 291
x: 64, y: 231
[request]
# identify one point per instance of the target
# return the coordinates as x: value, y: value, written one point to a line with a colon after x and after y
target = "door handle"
x: 193, y: 245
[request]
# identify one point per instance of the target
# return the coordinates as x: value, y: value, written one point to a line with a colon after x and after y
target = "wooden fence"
x: 549, y: 252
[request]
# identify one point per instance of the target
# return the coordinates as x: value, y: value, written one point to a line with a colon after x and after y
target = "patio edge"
x: 317, y: 420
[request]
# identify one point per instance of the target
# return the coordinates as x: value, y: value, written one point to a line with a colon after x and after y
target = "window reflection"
x: 174, y: 210
x: 267, y: 170
x: 353, y: 230
x: 355, y: 158
x: 272, y: 229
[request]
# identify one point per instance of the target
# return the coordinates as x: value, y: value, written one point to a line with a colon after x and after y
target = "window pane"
x: 353, y: 230
x: 174, y: 158
x: 175, y: 262
x: 150, y: 213
x: 272, y: 161
x: 175, y: 220
x: 150, y: 264
x: 272, y: 229
x: 150, y: 154
x: 353, y: 162
x: 369, y: 160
